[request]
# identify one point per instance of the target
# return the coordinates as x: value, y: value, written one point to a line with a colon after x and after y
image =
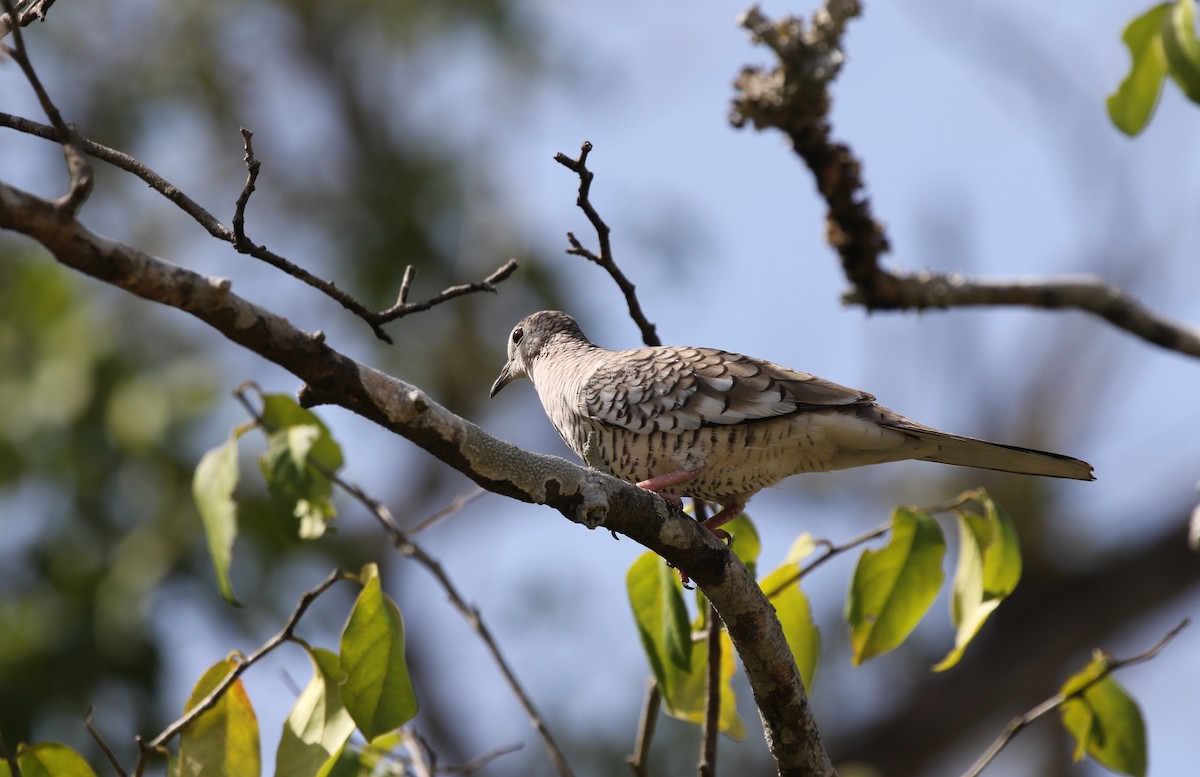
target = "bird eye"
x: 517, y: 334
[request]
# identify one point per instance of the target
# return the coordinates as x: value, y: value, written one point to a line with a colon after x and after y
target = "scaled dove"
x: 720, y: 426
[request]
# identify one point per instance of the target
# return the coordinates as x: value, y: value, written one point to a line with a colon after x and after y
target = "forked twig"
x: 605, y: 257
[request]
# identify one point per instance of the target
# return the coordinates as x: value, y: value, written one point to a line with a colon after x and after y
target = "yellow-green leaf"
x: 1002, y: 563
x: 894, y: 587
x: 377, y: 689
x: 299, y: 439
x: 1132, y: 104
x: 223, y: 740
x: 212, y: 487
x: 1181, y: 47
x: 795, y: 615
x: 989, y: 568
x: 656, y: 596
x: 318, y: 726
x: 1105, y: 722
x: 49, y: 759
x: 684, y: 693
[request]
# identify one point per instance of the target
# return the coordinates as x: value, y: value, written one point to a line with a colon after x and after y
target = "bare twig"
x: 420, y: 755
x: 403, y: 308
x: 403, y: 543
x: 25, y: 13
x: 605, y: 258
x: 480, y: 761
x: 831, y: 550
x: 244, y: 245
x: 712, y: 697
x: 1018, y: 724
x: 78, y: 168
x: 108, y: 753
x: 460, y: 501
x: 239, y: 207
x: 639, y: 761
x: 284, y: 635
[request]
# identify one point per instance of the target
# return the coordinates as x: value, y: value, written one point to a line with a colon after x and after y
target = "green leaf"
x: 223, y: 741
x: 49, y: 759
x: 212, y: 487
x: 378, y: 690
x: 1002, y: 563
x: 1105, y: 722
x: 894, y: 587
x: 1182, y: 49
x: 318, y: 726
x: 297, y: 440
x: 795, y: 615
x: 1132, y: 104
x: 989, y: 568
x: 656, y: 596
x: 678, y: 661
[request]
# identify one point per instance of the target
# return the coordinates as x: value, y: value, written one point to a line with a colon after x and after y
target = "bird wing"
x: 674, y: 389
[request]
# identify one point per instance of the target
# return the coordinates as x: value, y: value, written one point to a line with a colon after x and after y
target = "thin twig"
x: 712, y: 697
x: 284, y: 635
x: 78, y: 168
x: 402, y: 308
x: 214, y: 227
x: 639, y: 761
x: 605, y: 258
x: 831, y: 550
x: 460, y: 501
x: 480, y: 761
x: 1018, y: 724
x: 420, y: 755
x: 407, y: 547
x: 108, y: 753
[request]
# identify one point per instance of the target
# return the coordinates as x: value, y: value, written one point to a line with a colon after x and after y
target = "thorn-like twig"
x: 1018, y: 724
x: 605, y: 258
x: 284, y: 635
x: 403, y: 307
x: 239, y: 207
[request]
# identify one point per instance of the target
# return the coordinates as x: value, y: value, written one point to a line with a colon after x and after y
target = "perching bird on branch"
x: 720, y: 426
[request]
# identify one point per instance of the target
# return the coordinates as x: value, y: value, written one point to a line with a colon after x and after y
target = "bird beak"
x: 502, y: 381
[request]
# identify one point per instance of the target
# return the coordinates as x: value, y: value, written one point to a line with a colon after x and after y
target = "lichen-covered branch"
x: 583, y: 495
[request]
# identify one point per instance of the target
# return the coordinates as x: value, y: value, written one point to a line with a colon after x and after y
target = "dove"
x: 720, y: 426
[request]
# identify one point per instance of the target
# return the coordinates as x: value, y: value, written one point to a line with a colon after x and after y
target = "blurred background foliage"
x: 377, y: 125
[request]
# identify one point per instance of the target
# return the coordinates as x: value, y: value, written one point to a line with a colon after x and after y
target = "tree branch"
x: 793, y: 97
x: 639, y: 760
x: 25, y: 13
x: 582, y: 495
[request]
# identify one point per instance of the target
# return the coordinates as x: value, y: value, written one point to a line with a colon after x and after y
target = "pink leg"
x: 727, y: 514
x: 659, y: 482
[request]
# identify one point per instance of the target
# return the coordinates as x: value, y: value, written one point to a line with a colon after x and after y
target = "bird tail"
x: 969, y: 452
